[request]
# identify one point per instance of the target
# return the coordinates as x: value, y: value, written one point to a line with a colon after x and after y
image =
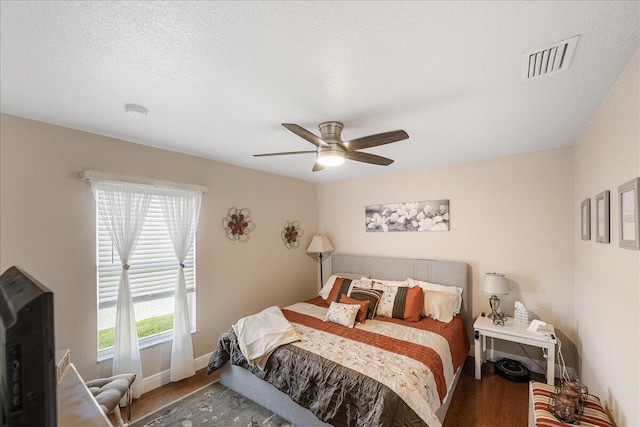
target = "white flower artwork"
x: 431, y: 215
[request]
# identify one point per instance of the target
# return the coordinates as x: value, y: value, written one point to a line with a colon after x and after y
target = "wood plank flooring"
x: 492, y: 402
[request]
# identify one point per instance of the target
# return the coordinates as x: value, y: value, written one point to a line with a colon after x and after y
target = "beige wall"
x: 607, y: 277
x: 47, y: 225
x: 512, y: 215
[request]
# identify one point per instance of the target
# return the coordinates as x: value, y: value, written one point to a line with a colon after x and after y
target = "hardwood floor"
x: 492, y: 402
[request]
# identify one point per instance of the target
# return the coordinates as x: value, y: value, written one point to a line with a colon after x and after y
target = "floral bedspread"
x: 385, y: 372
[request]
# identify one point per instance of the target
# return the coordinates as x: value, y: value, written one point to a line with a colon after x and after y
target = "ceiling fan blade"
x: 367, y: 158
x: 284, y: 153
x: 317, y: 167
x: 305, y: 134
x: 375, y: 140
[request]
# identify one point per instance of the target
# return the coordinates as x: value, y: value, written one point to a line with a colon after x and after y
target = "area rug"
x: 213, y: 405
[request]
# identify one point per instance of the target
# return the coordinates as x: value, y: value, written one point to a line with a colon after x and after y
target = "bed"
x: 380, y: 396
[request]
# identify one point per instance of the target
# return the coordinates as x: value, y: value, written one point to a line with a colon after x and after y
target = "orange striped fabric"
x: 454, y: 332
x: 423, y: 354
x: 593, y: 416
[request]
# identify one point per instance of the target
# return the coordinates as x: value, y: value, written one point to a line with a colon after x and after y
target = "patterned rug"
x: 213, y: 405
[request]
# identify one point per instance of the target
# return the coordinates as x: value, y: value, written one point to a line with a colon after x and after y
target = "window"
x: 152, y: 276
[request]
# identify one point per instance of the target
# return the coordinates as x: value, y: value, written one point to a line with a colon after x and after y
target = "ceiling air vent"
x: 548, y: 60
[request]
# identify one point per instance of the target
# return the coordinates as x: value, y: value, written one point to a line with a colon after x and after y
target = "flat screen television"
x: 27, y: 351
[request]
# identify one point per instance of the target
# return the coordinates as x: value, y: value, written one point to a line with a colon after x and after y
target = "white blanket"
x: 261, y: 334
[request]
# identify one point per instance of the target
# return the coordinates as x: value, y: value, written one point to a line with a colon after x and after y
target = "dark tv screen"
x: 27, y: 351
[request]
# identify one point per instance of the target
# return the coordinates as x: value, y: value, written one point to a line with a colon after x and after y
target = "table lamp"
x: 320, y: 244
x: 495, y: 284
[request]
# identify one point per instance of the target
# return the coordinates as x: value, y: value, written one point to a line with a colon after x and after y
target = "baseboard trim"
x: 154, y: 381
x: 531, y: 364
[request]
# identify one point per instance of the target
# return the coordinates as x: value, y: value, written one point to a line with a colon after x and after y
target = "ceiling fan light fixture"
x: 330, y: 158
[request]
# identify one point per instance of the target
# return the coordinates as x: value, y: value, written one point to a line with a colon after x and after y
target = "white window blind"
x: 153, y: 267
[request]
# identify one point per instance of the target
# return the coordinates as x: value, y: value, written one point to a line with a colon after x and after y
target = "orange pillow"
x: 414, y: 304
x: 402, y: 302
x: 340, y: 287
x: 364, y: 307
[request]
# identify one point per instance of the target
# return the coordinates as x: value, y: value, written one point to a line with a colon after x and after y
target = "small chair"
x: 108, y: 392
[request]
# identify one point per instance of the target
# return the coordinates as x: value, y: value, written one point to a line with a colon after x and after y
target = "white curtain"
x: 181, y: 211
x: 123, y: 208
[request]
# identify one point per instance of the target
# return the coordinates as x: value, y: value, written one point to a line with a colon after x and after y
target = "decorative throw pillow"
x: 364, y: 307
x: 362, y: 283
x: 440, y: 305
x: 326, y: 288
x: 402, y: 302
x: 380, y: 284
x: 440, y: 288
x: 341, y: 286
x: 353, y: 276
x: 371, y: 295
x: 342, y: 314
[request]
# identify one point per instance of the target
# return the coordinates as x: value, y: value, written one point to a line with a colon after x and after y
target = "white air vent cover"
x: 550, y: 59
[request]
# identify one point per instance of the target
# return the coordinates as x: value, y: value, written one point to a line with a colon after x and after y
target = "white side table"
x: 514, y: 332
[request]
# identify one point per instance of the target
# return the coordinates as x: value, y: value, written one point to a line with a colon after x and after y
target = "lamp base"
x: 498, y: 318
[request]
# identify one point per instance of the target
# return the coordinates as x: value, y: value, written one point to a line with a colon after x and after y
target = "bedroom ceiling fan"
x: 332, y: 151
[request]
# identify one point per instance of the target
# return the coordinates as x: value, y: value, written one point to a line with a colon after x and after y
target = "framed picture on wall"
x: 602, y: 217
x: 585, y: 214
x: 629, y: 208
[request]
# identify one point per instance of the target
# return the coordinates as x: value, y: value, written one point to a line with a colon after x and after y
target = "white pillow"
x: 353, y: 276
x: 380, y: 284
x: 342, y: 314
x: 324, y: 292
x: 440, y: 288
x: 440, y: 305
x: 361, y: 283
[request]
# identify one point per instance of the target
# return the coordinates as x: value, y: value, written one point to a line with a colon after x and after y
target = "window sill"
x: 143, y: 343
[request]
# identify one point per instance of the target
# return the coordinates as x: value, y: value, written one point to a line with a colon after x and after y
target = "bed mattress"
x: 384, y: 372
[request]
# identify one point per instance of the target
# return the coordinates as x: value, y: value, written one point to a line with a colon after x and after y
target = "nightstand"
x: 514, y: 332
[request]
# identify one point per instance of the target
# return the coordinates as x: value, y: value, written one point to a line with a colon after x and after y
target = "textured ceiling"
x: 218, y: 78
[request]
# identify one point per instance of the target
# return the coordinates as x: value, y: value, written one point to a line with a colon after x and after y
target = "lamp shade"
x: 319, y: 244
x: 495, y: 284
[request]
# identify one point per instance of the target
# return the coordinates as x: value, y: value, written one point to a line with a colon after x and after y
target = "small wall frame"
x: 585, y: 223
x: 629, y: 214
x: 602, y: 217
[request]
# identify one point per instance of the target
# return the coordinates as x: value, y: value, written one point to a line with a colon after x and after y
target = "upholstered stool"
x: 110, y: 391
x: 539, y: 415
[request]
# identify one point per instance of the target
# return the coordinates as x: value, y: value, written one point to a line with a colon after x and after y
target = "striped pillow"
x: 371, y: 295
x: 340, y: 287
x: 402, y: 302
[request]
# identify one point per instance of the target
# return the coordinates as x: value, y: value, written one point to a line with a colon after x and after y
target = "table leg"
x: 478, y: 354
x: 551, y: 364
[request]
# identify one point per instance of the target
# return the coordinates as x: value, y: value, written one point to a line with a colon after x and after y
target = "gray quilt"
x: 335, y: 394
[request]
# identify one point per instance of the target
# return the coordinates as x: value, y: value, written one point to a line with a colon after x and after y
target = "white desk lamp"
x: 495, y: 284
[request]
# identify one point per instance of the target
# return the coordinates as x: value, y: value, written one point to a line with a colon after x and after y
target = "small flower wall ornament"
x: 238, y: 224
x: 291, y: 234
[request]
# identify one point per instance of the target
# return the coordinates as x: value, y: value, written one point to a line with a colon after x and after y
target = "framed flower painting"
x: 431, y: 215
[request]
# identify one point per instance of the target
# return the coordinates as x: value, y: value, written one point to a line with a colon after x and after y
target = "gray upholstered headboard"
x: 451, y: 273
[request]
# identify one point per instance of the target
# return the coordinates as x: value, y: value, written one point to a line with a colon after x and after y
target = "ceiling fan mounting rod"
x: 330, y: 132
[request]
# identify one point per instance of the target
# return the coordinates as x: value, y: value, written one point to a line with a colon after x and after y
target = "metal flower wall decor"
x: 291, y: 234
x: 238, y: 224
